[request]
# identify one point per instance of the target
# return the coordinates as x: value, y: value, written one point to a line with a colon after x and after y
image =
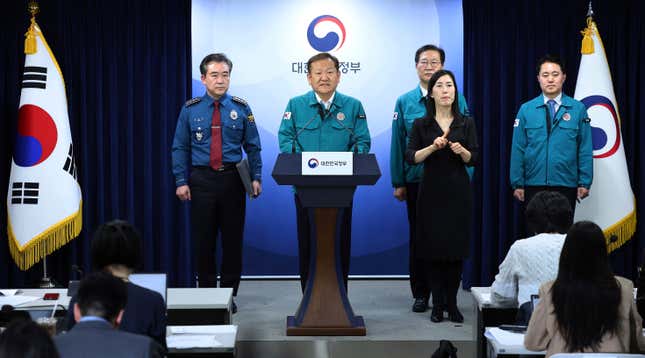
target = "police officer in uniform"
x: 552, y: 147
x: 211, y: 132
x: 405, y: 177
x: 323, y: 120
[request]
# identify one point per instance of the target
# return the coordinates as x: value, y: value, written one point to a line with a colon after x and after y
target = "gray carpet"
x: 393, y: 330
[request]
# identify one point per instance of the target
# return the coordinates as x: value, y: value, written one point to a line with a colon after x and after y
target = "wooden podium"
x: 325, y: 309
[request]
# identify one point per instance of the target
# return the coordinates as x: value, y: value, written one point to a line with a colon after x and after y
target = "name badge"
x: 199, y: 134
x: 327, y: 163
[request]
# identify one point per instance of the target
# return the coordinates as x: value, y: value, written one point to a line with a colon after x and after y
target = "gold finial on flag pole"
x: 587, y: 42
x: 30, y: 36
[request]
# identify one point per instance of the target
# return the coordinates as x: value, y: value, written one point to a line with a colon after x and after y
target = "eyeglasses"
x: 433, y: 63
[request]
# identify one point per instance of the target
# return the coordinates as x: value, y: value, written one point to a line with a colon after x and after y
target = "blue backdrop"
x: 269, y: 50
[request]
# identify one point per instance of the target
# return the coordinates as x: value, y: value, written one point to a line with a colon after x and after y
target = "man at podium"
x: 323, y: 120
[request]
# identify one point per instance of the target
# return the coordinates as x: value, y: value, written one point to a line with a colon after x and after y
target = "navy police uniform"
x: 217, y: 196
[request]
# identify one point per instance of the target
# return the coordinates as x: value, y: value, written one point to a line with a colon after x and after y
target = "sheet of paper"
x: 486, y: 297
x: 185, y: 341
x: 16, y: 300
x: 218, y: 329
x: 505, y: 338
x: 9, y: 292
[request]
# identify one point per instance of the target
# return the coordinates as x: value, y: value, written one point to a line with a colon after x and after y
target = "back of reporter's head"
x: 584, y: 254
x: 585, y: 294
x: 102, y: 295
x: 549, y: 212
x: 26, y: 339
x: 116, y: 243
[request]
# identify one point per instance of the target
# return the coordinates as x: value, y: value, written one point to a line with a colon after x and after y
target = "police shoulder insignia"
x: 250, y: 117
x: 192, y: 101
x: 361, y: 116
x: 239, y: 100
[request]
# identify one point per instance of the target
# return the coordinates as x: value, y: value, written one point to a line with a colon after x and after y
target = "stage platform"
x: 393, y: 330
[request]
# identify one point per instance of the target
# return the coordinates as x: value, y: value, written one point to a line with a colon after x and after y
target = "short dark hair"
x: 215, y: 57
x: 323, y: 56
x: 424, y: 48
x: 25, y: 338
x: 116, y: 242
x: 552, y: 59
x: 103, y: 295
x: 549, y: 211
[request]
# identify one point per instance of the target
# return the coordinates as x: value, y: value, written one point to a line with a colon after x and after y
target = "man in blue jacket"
x: 323, y: 120
x: 211, y: 132
x: 552, y: 147
x: 405, y: 177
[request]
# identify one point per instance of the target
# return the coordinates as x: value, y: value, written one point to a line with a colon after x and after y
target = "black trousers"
x: 444, y: 278
x: 304, y: 241
x: 218, y: 205
x: 418, y: 278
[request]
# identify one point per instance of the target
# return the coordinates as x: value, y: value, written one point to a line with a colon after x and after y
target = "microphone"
x: 323, y: 112
x: 295, y: 138
x: 354, y: 148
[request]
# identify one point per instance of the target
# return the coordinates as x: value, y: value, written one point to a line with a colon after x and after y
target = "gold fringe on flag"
x: 587, y: 42
x: 47, y: 242
x: 621, y: 232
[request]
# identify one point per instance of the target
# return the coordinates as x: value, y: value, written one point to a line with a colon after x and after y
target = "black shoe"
x: 233, y: 307
x: 420, y: 305
x: 455, y: 316
x: 437, y: 315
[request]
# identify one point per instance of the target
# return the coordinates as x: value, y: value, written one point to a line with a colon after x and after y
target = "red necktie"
x: 216, y: 138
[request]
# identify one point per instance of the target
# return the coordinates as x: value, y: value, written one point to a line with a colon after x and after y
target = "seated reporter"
x: 116, y: 249
x: 25, y: 338
x: 586, y: 308
x: 98, y: 312
x: 532, y: 261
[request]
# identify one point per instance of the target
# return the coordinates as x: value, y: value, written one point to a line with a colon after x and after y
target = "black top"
x: 444, y: 202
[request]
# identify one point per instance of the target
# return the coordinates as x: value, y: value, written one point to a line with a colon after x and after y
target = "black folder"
x: 245, y: 175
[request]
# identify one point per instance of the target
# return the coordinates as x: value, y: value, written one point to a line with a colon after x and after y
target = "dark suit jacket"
x: 145, y: 313
x: 98, y: 339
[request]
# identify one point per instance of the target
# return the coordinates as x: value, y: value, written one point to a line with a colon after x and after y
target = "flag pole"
x: 46, y: 281
x: 30, y: 47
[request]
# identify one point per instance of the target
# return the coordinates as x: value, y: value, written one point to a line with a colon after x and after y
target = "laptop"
x: 152, y: 281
